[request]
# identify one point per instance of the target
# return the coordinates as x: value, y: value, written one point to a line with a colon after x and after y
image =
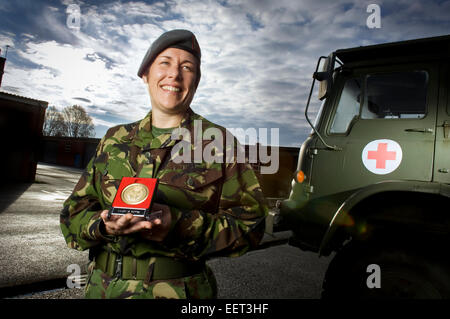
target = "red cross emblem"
x: 381, y: 155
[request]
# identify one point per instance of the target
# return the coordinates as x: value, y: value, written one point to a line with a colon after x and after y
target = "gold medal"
x: 134, y: 194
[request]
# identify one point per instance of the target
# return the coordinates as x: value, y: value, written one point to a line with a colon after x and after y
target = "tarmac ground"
x: 35, y: 258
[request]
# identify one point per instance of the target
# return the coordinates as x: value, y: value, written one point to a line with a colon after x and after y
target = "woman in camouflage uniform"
x: 209, y: 208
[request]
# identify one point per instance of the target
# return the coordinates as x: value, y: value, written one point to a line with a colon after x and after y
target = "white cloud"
x: 257, y: 56
x: 98, y: 121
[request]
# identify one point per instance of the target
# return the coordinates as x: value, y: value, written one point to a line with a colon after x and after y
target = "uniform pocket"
x: 193, y: 176
x: 109, y: 189
x: 190, y: 186
x: 111, y: 174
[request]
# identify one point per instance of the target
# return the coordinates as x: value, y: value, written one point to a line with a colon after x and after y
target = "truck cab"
x: 372, y: 184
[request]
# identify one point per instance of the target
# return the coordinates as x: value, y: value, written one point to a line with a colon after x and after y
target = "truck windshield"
x: 348, y: 107
x: 317, y: 118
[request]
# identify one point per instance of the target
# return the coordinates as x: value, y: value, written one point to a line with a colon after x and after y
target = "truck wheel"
x: 369, y: 271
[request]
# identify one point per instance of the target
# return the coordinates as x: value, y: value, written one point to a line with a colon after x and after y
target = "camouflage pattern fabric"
x: 200, y: 286
x: 217, y: 209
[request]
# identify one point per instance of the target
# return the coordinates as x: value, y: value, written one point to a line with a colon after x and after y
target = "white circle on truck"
x: 382, y: 156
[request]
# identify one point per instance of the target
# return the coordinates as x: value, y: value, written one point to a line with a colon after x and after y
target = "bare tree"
x: 73, y: 121
x: 79, y: 123
x: 54, y: 124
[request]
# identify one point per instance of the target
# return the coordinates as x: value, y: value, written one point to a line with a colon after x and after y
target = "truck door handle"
x: 419, y: 130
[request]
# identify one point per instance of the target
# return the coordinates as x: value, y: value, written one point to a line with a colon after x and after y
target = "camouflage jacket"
x: 216, y: 208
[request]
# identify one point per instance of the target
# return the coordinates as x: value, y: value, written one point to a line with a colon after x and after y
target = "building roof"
x: 22, y: 99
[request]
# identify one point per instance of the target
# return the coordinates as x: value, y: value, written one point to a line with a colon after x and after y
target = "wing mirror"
x: 325, y: 77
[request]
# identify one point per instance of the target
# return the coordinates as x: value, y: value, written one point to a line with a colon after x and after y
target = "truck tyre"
x: 402, y: 274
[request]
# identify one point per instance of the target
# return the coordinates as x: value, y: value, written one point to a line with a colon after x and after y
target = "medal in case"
x: 135, y: 196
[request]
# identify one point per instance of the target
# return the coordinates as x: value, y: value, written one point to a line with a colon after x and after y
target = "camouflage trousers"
x: 198, y: 286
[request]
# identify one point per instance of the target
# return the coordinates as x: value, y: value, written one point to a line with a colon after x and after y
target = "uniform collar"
x: 143, y: 137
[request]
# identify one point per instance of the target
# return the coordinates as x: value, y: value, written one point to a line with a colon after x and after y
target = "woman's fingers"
x: 138, y: 226
x: 126, y: 224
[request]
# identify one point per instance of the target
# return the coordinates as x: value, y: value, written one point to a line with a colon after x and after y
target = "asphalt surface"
x: 35, y: 257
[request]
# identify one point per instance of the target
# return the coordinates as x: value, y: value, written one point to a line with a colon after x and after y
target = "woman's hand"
x: 156, y: 229
x: 161, y: 226
x: 126, y: 224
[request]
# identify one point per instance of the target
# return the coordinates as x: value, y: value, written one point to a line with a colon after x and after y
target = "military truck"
x: 372, y: 185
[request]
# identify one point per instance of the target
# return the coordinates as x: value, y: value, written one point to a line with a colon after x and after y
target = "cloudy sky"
x: 257, y: 56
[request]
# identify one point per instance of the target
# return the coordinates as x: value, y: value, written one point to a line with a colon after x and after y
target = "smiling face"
x: 172, y: 81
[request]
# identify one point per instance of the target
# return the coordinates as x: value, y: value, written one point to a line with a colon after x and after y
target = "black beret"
x: 180, y: 39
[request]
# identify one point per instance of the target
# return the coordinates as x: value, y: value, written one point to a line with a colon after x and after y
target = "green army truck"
x: 372, y: 185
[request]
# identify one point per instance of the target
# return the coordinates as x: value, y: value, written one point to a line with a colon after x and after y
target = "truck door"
x: 383, y: 119
x: 442, y: 156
